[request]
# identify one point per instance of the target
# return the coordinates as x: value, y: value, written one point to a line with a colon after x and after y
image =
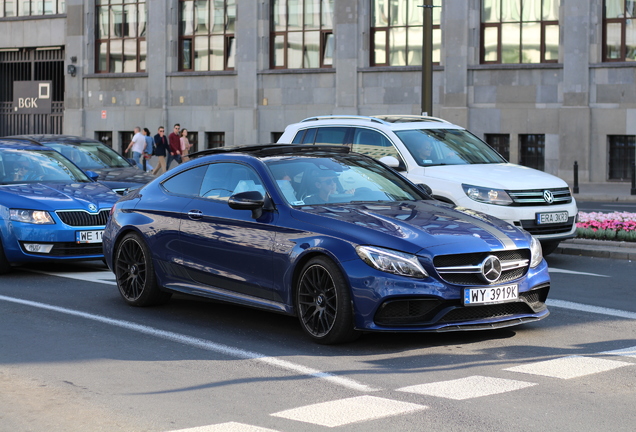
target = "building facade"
x: 546, y: 82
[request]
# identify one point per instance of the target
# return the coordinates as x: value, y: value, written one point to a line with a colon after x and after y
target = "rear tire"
x: 5, y: 267
x: 323, y: 303
x: 135, y: 273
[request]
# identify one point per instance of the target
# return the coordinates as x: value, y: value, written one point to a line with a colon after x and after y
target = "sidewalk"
x: 605, y: 192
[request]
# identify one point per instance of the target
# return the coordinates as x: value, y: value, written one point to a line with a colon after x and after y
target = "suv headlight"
x: 536, y: 252
x: 391, y: 261
x: 487, y: 195
x: 39, y: 217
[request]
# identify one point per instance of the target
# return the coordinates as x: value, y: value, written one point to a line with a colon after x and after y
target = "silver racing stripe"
x: 476, y: 219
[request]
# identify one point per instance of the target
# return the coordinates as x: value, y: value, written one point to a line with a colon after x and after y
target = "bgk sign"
x: 32, y: 97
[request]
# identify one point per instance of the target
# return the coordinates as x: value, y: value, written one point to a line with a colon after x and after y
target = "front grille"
x: 72, y: 249
x: 464, y: 269
x: 82, y: 218
x: 562, y: 228
x: 534, y: 197
x: 424, y: 311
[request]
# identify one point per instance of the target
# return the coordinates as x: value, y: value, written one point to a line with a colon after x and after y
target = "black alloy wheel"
x: 135, y: 273
x: 323, y: 303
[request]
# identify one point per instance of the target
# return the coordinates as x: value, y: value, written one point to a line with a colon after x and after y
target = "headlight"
x: 391, y: 261
x: 536, y: 251
x: 487, y: 195
x: 39, y: 217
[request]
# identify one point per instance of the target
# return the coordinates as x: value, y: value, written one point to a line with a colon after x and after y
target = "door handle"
x: 195, y: 214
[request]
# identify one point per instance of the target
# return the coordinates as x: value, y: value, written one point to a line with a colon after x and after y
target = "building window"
x: 302, y: 34
x: 124, y: 139
x: 105, y: 137
x: 501, y: 144
x: 532, y: 151
x: 193, y: 139
x: 619, y: 30
x: 11, y: 8
x: 621, y: 156
x: 275, y: 136
x: 215, y: 139
x: 520, y: 31
x: 121, y: 36
x: 396, y: 32
x: 206, y: 35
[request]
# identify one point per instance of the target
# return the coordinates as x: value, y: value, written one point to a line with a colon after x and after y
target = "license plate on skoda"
x: 552, y: 218
x: 491, y: 295
x: 89, y: 236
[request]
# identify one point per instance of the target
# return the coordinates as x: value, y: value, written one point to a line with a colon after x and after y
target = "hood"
x: 127, y: 175
x: 417, y: 225
x: 498, y: 176
x: 52, y: 196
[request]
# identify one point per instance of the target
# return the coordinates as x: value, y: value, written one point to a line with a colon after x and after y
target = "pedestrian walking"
x: 161, y: 149
x: 175, y: 146
x: 185, y: 145
x: 148, y: 150
x: 138, y: 144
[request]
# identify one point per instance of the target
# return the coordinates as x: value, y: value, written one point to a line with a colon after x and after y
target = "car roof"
x: 263, y: 150
x: 63, y: 139
x: 393, y: 122
x: 21, y: 144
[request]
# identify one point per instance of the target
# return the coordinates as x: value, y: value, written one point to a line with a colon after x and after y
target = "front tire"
x: 135, y: 273
x: 323, y: 303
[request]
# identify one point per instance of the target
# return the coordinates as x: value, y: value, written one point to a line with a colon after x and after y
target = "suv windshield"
x: 31, y: 166
x: 343, y: 179
x: 90, y: 155
x: 447, y: 147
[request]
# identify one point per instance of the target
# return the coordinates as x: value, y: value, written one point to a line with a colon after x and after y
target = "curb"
x: 598, y: 249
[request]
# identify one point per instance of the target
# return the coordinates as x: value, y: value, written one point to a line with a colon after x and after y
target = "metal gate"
x: 31, y: 64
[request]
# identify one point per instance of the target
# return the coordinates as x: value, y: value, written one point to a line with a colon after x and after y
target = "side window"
x: 187, y: 182
x: 299, y: 137
x: 310, y: 136
x: 224, y: 179
x: 332, y: 135
x: 373, y: 143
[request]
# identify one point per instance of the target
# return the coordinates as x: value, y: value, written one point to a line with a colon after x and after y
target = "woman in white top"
x: 185, y: 145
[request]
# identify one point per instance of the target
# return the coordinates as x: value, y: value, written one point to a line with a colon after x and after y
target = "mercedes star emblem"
x: 491, y: 269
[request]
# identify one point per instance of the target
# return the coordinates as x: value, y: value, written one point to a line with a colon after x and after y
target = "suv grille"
x: 465, y: 269
x: 534, y: 229
x: 78, y: 218
x: 534, y: 197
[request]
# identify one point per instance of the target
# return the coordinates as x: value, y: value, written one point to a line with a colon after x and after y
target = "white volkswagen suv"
x: 459, y: 168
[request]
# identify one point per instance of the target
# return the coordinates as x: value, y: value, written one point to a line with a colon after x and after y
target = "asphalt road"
x: 74, y: 357
x: 606, y: 207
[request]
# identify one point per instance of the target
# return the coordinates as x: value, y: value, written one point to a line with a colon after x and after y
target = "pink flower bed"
x: 607, y: 226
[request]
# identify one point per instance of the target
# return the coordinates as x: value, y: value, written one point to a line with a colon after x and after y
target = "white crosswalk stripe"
x: 467, y: 388
x: 569, y: 367
x: 627, y: 352
x: 227, y: 427
x: 105, y: 277
x: 347, y: 411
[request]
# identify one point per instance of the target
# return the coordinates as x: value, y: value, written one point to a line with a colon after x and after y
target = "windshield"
x: 90, y: 155
x: 306, y: 180
x: 34, y: 166
x: 447, y: 147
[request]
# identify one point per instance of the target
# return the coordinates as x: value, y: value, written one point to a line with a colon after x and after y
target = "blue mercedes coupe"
x: 335, y: 238
x: 49, y: 208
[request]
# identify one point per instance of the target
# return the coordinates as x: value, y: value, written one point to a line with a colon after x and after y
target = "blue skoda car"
x: 335, y: 238
x: 49, y: 208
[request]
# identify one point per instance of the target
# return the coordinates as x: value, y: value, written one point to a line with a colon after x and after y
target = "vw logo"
x: 92, y: 207
x: 491, y: 269
x: 548, y: 197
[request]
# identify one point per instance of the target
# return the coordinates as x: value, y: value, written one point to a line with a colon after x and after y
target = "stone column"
x: 76, y: 28
x: 345, y: 23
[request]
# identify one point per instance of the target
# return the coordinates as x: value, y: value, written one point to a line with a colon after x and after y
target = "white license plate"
x: 89, y: 236
x: 491, y: 295
x: 552, y: 218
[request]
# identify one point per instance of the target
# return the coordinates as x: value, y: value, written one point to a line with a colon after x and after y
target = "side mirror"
x: 250, y: 200
x: 426, y: 188
x: 92, y: 175
x: 393, y: 162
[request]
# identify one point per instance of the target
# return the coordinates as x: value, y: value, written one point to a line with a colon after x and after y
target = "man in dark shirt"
x: 175, y: 146
x: 161, y: 148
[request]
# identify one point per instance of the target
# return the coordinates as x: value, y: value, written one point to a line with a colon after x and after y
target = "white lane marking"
x: 202, y: 344
x: 105, y: 277
x: 592, y: 309
x: 467, y: 388
x: 569, y: 367
x: 558, y: 270
x: 227, y: 427
x: 627, y: 352
x: 346, y: 411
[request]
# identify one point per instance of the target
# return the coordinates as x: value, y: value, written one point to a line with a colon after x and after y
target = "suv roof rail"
x: 344, y: 117
x: 408, y: 118
x: 272, y: 149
